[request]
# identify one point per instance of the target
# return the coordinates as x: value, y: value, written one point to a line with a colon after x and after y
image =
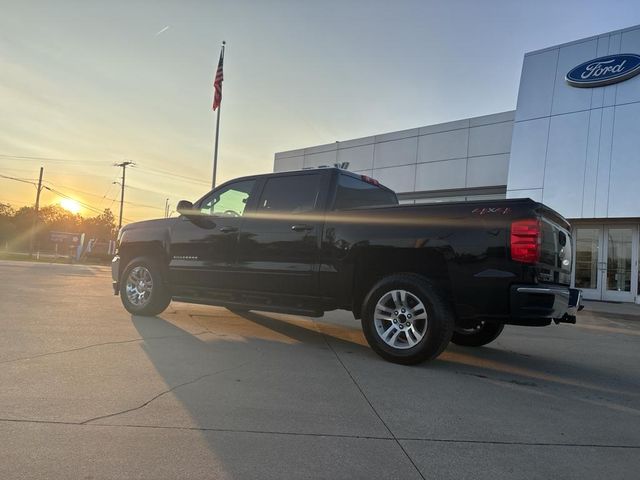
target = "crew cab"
x: 306, y: 242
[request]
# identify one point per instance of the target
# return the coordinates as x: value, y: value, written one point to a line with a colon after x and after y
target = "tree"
x: 7, y: 227
x: 102, y: 227
x: 15, y: 226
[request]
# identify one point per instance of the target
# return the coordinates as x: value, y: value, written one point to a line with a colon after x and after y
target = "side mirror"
x: 185, y: 207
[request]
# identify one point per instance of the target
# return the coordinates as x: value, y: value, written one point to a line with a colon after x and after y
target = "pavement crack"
x: 161, y: 394
x: 355, y: 382
x: 328, y: 435
x: 77, y: 349
x: 527, y: 444
x: 94, y: 345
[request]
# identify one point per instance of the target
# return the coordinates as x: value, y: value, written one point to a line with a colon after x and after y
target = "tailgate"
x: 555, y: 248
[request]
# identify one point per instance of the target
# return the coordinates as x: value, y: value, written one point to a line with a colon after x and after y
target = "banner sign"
x: 62, y: 237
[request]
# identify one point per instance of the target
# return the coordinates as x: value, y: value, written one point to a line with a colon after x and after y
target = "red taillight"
x: 525, y: 241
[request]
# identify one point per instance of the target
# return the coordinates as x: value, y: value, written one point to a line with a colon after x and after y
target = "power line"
x: 64, y: 195
x: 91, y: 208
x: 22, y: 180
x: 166, y: 173
x: 154, y: 170
x: 52, y: 159
x: 5, y: 169
x: 61, y: 172
x: 100, y: 163
x: 105, y: 196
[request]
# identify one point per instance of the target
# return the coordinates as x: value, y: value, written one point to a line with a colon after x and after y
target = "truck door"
x: 279, y: 243
x: 204, y: 250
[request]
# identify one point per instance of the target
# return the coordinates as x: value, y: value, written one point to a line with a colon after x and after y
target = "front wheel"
x: 142, y: 289
x: 478, y: 335
x: 405, y: 319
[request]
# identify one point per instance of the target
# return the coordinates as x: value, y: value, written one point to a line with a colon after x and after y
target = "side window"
x: 290, y: 194
x: 354, y: 193
x: 229, y: 201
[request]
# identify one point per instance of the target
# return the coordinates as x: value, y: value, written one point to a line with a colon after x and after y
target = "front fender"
x: 154, y: 243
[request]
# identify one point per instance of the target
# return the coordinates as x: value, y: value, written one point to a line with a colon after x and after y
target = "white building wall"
x: 576, y: 149
x: 470, y: 153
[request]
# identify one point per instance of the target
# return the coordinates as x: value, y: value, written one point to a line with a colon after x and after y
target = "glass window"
x: 353, y: 193
x: 230, y: 201
x: 292, y: 194
x: 619, y: 252
x: 587, y: 246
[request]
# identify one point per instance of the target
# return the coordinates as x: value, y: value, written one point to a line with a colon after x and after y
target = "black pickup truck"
x: 306, y: 242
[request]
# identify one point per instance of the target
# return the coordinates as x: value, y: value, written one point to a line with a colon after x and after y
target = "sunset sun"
x: 70, y: 205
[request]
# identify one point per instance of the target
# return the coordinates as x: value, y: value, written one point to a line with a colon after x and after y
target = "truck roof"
x: 311, y: 171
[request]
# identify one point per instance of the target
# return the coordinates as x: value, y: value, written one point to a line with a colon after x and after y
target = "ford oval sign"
x: 604, y: 70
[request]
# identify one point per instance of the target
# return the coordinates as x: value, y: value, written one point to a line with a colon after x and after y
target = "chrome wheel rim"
x: 139, y: 286
x: 400, y: 319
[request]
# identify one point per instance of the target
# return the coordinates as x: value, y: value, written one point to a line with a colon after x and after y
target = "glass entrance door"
x: 620, y: 262
x: 588, y: 262
x: 607, y: 262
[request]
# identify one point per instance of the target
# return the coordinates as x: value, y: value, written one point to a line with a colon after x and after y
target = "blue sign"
x: 62, y: 237
x: 604, y: 70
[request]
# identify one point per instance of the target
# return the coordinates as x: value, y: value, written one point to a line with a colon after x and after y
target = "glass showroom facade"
x: 571, y: 142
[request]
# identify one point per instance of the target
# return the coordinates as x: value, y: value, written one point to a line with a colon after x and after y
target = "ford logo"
x: 604, y: 70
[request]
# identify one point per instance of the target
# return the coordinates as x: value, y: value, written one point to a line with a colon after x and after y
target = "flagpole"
x: 215, y: 149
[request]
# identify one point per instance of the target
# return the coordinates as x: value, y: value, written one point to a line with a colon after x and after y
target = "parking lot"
x: 89, y: 391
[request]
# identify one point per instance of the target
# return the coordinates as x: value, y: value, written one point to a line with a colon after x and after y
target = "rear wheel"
x: 478, y: 335
x: 405, y: 319
x: 142, y: 289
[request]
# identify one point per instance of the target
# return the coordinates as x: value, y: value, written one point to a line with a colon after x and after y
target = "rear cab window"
x: 353, y: 192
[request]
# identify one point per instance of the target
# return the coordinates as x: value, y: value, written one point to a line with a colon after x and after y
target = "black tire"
x: 158, y: 298
x: 436, y: 330
x: 482, y: 334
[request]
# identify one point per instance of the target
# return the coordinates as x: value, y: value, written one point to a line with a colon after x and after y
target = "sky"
x: 86, y: 84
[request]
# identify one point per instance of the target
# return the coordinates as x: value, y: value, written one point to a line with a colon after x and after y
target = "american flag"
x: 217, y: 83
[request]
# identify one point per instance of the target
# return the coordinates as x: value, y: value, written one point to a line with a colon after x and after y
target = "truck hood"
x: 151, y: 224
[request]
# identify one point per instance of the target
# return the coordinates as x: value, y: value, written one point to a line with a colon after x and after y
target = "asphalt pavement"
x: 89, y: 391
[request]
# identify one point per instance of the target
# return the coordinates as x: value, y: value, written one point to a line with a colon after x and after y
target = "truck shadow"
x: 259, y: 394
x: 232, y: 340
x: 237, y: 378
x: 484, y: 362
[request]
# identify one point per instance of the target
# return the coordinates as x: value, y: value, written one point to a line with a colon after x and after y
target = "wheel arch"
x: 153, y: 250
x: 372, y: 266
x: 439, y: 326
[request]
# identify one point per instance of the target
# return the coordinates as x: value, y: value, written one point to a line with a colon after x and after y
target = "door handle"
x: 228, y: 229
x: 301, y: 228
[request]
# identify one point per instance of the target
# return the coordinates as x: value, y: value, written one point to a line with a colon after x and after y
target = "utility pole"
x: 166, y: 208
x: 124, y: 166
x: 35, y: 217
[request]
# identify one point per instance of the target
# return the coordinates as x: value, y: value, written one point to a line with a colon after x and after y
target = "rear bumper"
x: 541, y: 304
x: 115, y: 274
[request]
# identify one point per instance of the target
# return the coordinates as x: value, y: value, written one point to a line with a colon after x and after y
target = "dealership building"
x: 572, y: 142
